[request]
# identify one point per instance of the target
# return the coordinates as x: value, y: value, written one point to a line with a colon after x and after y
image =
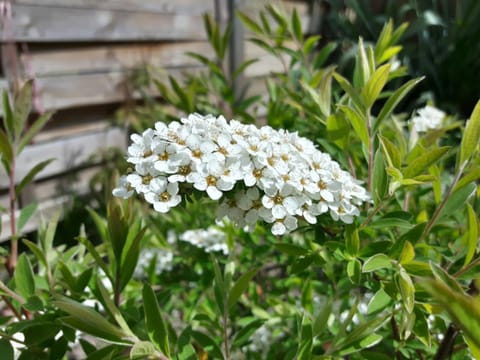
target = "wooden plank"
x: 162, y: 6
x: 69, y: 153
x: 95, y: 59
x: 54, y: 23
x: 60, y: 92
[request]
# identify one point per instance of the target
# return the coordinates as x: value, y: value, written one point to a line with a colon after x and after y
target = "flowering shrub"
x: 328, y: 268
x: 274, y: 176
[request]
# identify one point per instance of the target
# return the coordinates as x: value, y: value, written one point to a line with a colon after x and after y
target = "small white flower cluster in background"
x: 210, y: 240
x: 268, y: 175
x: 162, y: 258
x: 428, y: 118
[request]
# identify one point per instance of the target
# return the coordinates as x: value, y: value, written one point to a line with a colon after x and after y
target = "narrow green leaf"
x: 33, y: 130
x: 24, y: 280
x: 112, y: 308
x: 380, y: 180
x: 390, y: 150
x: 8, y: 121
x: 390, y: 222
x: 338, y: 130
x: 156, y: 327
x: 467, y: 178
x: 320, y: 322
x: 240, y: 286
x: 22, y: 107
x: 88, y: 320
x: 377, y: 262
x: 362, y: 66
x: 352, y: 240
x: 100, y: 224
x: 358, y: 122
x: 297, y: 26
x: 219, y: 286
x: 208, y: 345
x: 378, y: 302
x: 375, y: 85
x: 322, y: 56
x: 424, y: 161
x: 407, y: 290
x: 27, y: 179
x: 394, y: 100
x: 142, y: 350
x: 96, y: 256
x: 239, y: 70
x: 37, y: 252
x: 457, y: 200
x: 291, y: 249
x: 471, y: 136
x: 348, y: 88
x: 368, y: 341
x: 442, y: 275
x: 6, y: 151
x: 383, y: 40
x: 25, y: 214
x: 117, y: 228
x: 243, y: 335
x: 472, y: 234
x: 130, y: 255
x: 249, y: 23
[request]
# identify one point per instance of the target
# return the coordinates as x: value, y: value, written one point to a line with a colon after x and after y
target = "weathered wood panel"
x: 162, y: 6
x: 69, y: 153
x: 95, y: 59
x: 30, y: 23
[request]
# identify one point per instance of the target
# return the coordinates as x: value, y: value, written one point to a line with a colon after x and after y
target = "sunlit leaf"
x: 24, y: 280
x: 377, y: 262
x: 25, y: 214
x: 378, y: 302
x: 471, y: 136
x: 472, y: 234
x: 375, y: 85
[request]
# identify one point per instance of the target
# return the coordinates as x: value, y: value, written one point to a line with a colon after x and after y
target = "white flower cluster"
x: 162, y: 258
x: 210, y: 240
x: 268, y: 175
x: 428, y: 118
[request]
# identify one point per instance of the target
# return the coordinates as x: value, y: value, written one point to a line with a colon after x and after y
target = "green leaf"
x: 218, y: 286
x: 35, y: 249
x: 457, y: 200
x: 208, y: 344
x: 394, y: 100
x: 8, y: 121
x: 243, y: 335
x: 348, y: 88
x: 407, y: 254
x: 297, y: 26
x: 472, y: 234
x: 142, y: 350
x: 354, y: 271
x: 25, y: 214
x: 377, y: 262
x: 130, y: 254
x: 424, y: 161
x: 22, y: 107
x: 471, y: 136
x: 96, y: 256
x: 407, y: 290
x: 249, y: 23
x: 358, y: 122
x: 27, y: 179
x: 24, y: 280
x: 338, y: 130
x: 442, y: 275
x: 112, y: 308
x: 117, y: 229
x: 156, y: 327
x: 383, y: 40
x: 380, y: 180
x: 462, y: 309
x: 468, y: 177
x: 87, y: 320
x: 33, y: 130
x: 362, y: 67
x: 34, y: 303
x: 239, y: 70
x: 393, y: 156
x: 6, y: 151
x: 240, y: 287
x: 100, y: 224
x: 320, y: 322
x: 6, y: 349
x: 375, y: 85
x: 292, y: 250
x: 352, y: 240
x: 390, y: 222
x: 378, y: 302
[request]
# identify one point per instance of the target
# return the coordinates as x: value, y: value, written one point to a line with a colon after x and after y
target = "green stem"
x: 12, y: 260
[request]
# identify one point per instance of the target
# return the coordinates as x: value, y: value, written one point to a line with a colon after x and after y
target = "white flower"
x: 428, y: 118
x: 281, y: 202
x: 160, y: 259
x: 210, y: 240
x: 163, y: 195
x: 124, y: 190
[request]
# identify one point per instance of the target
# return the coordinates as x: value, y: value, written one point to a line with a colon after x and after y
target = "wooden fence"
x: 80, y: 54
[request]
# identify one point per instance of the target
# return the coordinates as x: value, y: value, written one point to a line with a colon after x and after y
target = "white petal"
x: 213, y: 192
